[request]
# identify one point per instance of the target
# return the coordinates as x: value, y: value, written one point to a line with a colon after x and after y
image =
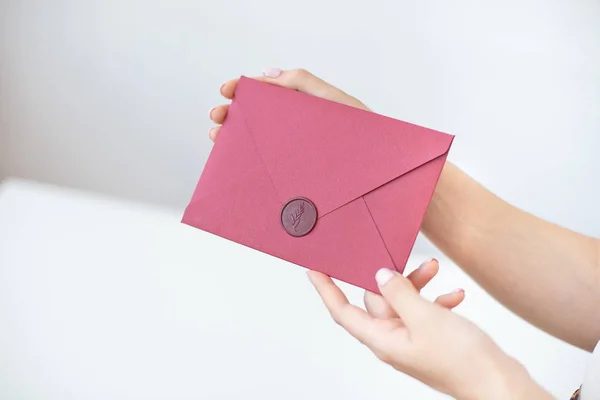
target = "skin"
x: 429, y: 342
x: 529, y: 265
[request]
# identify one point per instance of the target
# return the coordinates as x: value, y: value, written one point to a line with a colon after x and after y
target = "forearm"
x: 510, y: 380
x: 544, y: 273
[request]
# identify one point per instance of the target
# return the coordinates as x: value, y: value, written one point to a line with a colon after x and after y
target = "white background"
x: 113, y: 97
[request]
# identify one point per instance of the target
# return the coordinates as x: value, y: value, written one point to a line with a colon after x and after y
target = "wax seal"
x: 298, y: 216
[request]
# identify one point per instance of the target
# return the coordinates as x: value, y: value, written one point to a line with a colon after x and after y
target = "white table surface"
x: 105, y: 299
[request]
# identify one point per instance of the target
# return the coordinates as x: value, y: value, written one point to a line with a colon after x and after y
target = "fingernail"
x: 383, y: 276
x: 425, y: 264
x: 210, y: 112
x: 272, y: 72
x: 221, y: 88
x: 458, y: 291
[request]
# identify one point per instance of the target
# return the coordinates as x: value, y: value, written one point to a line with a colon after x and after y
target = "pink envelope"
x: 322, y: 185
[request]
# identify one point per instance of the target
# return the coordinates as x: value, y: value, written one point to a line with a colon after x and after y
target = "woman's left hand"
x: 426, y: 340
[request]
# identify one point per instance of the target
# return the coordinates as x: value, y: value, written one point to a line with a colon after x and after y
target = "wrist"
x: 507, y: 379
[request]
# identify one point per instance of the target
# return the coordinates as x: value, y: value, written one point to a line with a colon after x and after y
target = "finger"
x: 218, y: 114
x: 304, y: 81
x: 297, y: 79
x: 378, y: 307
x: 301, y: 80
x: 424, y: 274
x: 353, y: 319
x: 228, y: 88
x: 213, y: 132
x: 402, y: 296
x: 451, y: 300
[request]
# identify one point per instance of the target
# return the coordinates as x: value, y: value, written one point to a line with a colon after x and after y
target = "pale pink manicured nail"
x: 272, y: 72
x: 424, y: 263
x: 458, y: 291
x: 383, y: 276
x: 210, y: 112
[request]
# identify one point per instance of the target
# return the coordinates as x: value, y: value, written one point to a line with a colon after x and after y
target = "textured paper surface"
x: 370, y: 177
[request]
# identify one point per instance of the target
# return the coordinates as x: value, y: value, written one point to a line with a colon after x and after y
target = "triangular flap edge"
x: 433, y: 144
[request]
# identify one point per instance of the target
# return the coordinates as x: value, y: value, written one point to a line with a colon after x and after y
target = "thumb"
x: 303, y: 81
x: 402, y: 296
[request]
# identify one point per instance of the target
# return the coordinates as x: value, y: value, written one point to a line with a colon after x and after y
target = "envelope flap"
x: 328, y: 152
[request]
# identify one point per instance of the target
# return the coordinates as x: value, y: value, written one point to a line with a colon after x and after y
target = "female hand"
x: 429, y: 342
